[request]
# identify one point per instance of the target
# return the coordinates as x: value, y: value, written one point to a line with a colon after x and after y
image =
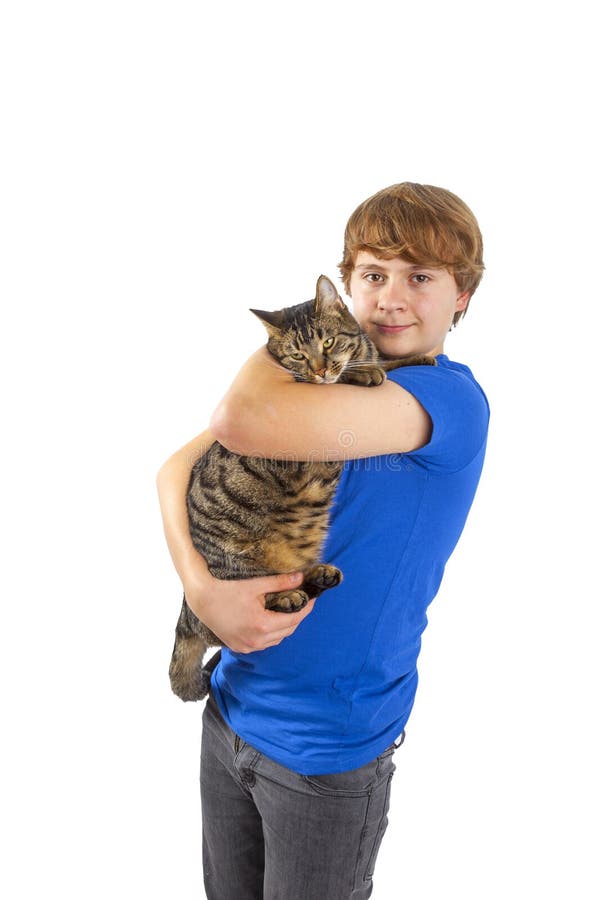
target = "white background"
x: 165, y: 166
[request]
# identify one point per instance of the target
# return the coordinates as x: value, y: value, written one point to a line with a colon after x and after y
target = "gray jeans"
x: 271, y: 834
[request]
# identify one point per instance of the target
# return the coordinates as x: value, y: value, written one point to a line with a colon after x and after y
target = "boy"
x: 306, y: 709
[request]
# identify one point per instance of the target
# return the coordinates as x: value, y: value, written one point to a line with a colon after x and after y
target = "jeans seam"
x: 370, y: 868
x: 361, y: 846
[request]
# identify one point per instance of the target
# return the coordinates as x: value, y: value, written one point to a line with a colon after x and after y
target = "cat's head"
x: 314, y: 340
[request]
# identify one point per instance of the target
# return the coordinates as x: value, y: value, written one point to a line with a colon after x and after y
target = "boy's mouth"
x: 391, y: 329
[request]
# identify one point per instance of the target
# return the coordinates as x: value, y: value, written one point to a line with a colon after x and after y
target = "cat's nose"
x: 321, y: 372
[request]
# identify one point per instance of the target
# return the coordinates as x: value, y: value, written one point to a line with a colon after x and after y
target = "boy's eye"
x: 373, y: 277
x: 328, y: 342
x: 421, y: 279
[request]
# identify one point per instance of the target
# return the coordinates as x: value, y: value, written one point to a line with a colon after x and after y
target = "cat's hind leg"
x: 320, y: 578
x: 189, y: 680
x: 185, y: 670
x: 286, y: 601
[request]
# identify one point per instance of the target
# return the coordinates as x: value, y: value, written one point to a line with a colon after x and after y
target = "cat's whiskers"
x: 359, y: 364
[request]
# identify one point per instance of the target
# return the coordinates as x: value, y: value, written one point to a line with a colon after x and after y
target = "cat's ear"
x: 327, y: 296
x: 271, y: 319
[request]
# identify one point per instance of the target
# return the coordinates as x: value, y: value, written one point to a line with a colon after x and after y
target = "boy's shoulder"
x: 456, y: 405
x: 447, y: 373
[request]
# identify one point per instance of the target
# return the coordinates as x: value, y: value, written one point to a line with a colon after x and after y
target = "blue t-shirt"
x: 340, y: 689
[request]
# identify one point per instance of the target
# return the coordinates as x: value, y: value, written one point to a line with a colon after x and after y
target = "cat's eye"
x: 297, y: 355
x: 328, y: 342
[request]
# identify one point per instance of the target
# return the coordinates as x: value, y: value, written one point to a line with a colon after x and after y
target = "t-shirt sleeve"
x: 458, y: 409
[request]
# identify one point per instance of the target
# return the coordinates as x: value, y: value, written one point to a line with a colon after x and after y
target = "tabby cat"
x: 251, y: 516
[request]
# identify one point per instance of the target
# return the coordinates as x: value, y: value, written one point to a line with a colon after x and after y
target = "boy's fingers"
x: 281, y: 582
x: 290, y: 620
x: 303, y: 613
x: 291, y: 580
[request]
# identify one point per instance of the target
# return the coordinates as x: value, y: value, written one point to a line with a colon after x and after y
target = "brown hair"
x: 425, y: 225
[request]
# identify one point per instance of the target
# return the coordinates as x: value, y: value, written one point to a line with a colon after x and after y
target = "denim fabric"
x: 272, y: 834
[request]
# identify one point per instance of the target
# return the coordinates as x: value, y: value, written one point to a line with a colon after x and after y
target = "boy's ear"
x: 462, y: 301
x: 271, y: 319
x: 327, y: 294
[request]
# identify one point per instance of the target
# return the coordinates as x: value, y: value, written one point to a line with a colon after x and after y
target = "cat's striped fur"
x: 251, y: 516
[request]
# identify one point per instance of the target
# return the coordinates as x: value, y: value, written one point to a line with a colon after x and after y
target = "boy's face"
x: 405, y: 309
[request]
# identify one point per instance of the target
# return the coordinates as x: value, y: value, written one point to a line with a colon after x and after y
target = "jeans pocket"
x: 331, y: 786
x: 353, y: 783
x: 385, y: 762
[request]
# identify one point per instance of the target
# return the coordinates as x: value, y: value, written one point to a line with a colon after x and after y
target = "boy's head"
x: 424, y: 225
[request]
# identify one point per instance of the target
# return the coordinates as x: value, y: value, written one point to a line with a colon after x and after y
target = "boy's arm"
x: 172, y: 483
x: 267, y: 413
x: 234, y: 610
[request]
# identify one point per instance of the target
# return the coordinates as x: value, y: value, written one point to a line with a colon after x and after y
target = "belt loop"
x: 236, y: 744
x: 400, y: 740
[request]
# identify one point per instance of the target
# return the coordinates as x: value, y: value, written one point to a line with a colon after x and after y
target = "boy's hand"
x: 235, y: 610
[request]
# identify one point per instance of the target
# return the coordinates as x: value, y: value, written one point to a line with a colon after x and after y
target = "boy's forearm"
x: 234, y: 610
x: 172, y: 482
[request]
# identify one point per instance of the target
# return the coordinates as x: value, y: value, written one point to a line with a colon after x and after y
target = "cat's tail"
x: 206, y: 674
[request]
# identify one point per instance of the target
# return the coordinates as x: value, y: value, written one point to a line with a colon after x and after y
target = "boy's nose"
x: 392, y: 297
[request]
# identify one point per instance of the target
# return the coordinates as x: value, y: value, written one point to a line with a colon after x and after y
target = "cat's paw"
x: 190, y: 689
x: 366, y: 376
x: 286, y: 601
x: 322, y: 577
x: 376, y: 376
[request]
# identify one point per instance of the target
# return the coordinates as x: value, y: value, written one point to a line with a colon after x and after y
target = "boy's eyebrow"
x: 382, y: 268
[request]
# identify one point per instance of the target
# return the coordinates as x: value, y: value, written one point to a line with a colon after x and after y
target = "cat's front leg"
x: 420, y: 360
x: 365, y: 375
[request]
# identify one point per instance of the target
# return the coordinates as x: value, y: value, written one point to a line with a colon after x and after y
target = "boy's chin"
x: 397, y: 349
